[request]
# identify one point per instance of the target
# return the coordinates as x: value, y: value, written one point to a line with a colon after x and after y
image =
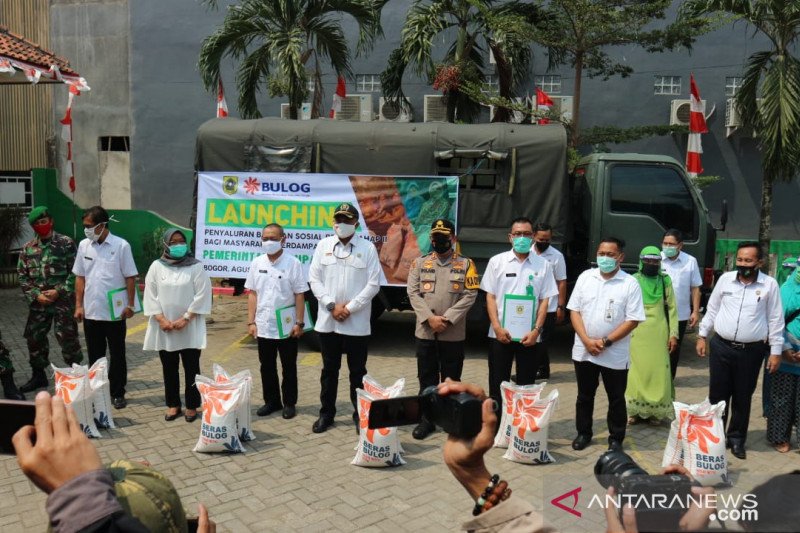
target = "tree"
x: 579, y: 32
x: 775, y: 75
x: 477, y: 25
x: 273, y: 40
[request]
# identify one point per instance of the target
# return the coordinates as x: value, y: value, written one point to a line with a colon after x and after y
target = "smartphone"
x: 14, y: 414
x: 191, y: 525
x: 393, y: 412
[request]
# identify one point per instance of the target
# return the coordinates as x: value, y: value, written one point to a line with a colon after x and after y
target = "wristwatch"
x: 538, y: 328
x: 301, y: 324
x: 607, y: 342
x: 330, y: 307
x: 562, y: 307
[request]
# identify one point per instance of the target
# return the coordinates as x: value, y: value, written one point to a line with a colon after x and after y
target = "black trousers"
x: 733, y: 376
x: 549, y: 324
x: 502, y: 356
x: 333, y: 346
x: 102, y: 334
x: 438, y: 360
x: 170, y: 362
x: 676, y: 355
x: 615, y: 381
x: 268, y: 350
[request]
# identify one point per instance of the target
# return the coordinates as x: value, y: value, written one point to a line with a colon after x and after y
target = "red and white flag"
x: 697, y: 126
x: 338, y: 97
x: 543, y: 103
x: 222, y: 104
x: 66, y: 134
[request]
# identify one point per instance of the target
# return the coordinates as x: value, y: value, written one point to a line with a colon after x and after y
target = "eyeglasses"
x: 522, y: 234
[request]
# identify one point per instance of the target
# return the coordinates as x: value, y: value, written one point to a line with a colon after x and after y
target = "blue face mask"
x: 522, y: 245
x: 178, y: 250
x: 606, y: 264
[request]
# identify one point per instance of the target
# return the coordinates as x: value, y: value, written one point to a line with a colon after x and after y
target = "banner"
x: 395, y: 213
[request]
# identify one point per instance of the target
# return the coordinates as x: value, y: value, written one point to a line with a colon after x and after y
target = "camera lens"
x: 616, y: 465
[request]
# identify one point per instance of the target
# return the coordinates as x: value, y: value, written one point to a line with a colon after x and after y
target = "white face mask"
x: 343, y: 230
x: 271, y: 247
x: 90, y: 234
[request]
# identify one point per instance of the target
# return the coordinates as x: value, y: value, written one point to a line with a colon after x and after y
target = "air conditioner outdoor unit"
x: 435, y: 108
x: 394, y: 110
x: 679, y: 112
x: 516, y: 116
x: 303, y: 113
x: 355, y: 108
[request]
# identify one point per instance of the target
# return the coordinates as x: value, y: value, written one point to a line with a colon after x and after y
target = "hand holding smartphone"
x: 14, y: 414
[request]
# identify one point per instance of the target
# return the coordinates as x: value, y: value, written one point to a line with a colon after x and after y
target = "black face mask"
x: 441, y: 246
x: 746, y: 271
x: 542, y: 246
x: 650, y: 270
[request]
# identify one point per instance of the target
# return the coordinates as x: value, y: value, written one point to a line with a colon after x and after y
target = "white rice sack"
x: 376, y: 447
x: 379, y: 392
x: 673, y: 453
x: 530, y: 425
x: 244, y: 419
x: 704, y: 445
x: 507, y: 391
x: 101, y: 394
x: 218, y: 430
x: 72, y: 385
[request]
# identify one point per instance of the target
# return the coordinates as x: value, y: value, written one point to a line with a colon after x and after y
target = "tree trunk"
x: 504, y: 78
x: 576, y: 100
x: 765, y: 221
x: 452, y: 101
x: 316, y: 105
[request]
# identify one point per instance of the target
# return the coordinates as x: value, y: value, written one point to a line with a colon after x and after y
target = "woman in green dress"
x: 650, y: 392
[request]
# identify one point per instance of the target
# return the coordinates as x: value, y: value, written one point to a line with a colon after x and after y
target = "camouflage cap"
x: 37, y: 213
x: 346, y: 209
x: 149, y: 496
x: 443, y: 226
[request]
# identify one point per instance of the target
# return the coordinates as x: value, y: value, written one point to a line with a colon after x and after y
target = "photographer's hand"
x: 697, y: 517
x: 613, y: 523
x: 464, y: 458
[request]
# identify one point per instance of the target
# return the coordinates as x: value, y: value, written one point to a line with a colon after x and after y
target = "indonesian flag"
x: 543, y: 103
x: 33, y: 75
x: 6, y: 66
x: 66, y: 134
x: 697, y: 126
x: 222, y: 104
x: 338, y: 97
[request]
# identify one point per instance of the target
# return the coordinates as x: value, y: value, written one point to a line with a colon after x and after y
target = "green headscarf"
x: 652, y: 287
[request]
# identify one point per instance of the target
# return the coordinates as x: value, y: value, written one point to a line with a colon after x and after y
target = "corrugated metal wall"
x: 26, y: 111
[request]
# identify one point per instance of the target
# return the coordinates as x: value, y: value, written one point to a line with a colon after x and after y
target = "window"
x: 656, y: 191
x: 733, y: 84
x: 493, y: 81
x: 667, y: 85
x: 114, y: 144
x: 551, y: 84
x: 368, y: 83
x: 473, y: 173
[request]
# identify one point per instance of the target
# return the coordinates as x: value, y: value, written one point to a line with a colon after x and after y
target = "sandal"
x: 636, y: 419
x: 782, y: 447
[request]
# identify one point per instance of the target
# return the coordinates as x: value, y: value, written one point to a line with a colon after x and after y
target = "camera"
x: 660, y: 500
x: 457, y: 414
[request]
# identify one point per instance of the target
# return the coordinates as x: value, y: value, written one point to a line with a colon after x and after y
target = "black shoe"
x: 322, y: 424
x: 614, y: 445
x: 170, y: 418
x: 120, y: 402
x: 543, y: 373
x: 10, y: 389
x: 191, y: 418
x: 737, y: 449
x: 268, y: 409
x: 38, y: 381
x: 581, y: 441
x: 288, y: 412
x: 423, y: 429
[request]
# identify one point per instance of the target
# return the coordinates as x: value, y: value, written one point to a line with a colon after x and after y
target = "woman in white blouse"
x: 177, y: 297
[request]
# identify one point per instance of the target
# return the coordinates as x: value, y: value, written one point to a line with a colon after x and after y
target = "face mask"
x: 441, y: 246
x: 90, y: 234
x: 670, y: 251
x: 178, y: 250
x: 745, y: 271
x: 522, y: 245
x: 343, y: 230
x: 542, y: 246
x: 271, y: 247
x: 650, y: 270
x: 43, y: 230
x: 606, y: 264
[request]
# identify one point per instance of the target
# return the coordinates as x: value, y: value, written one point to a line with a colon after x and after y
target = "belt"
x: 741, y: 345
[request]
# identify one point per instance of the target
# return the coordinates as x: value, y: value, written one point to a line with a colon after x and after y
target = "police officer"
x: 47, y: 282
x: 442, y: 286
x: 7, y: 374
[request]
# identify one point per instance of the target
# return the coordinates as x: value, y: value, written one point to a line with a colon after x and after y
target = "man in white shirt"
x: 517, y: 272
x: 276, y: 281
x: 344, y: 275
x: 606, y: 306
x: 104, y: 263
x: 746, y: 314
x: 686, y: 281
x: 557, y: 308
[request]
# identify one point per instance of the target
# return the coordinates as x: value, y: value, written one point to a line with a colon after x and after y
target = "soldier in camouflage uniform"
x: 45, y: 275
x: 7, y: 374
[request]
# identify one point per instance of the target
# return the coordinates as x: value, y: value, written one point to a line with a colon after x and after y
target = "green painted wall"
x: 779, y: 251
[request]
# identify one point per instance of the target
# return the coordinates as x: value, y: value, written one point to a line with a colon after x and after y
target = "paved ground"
x: 291, y: 479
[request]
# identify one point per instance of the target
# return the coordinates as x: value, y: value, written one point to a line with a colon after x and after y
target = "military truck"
x: 505, y: 171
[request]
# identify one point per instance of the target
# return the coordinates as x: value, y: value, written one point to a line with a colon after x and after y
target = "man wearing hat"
x: 344, y: 276
x: 45, y: 275
x: 442, y: 286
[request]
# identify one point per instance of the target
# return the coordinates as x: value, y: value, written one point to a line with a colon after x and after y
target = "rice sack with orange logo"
x: 673, y: 453
x: 530, y: 422
x: 72, y: 386
x: 218, y: 429
x: 244, y: 420
x: 376, y: 447
x: 379, y: 392
x: 507, y: 391
x: 101, y: 393
x: 704, y: 444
